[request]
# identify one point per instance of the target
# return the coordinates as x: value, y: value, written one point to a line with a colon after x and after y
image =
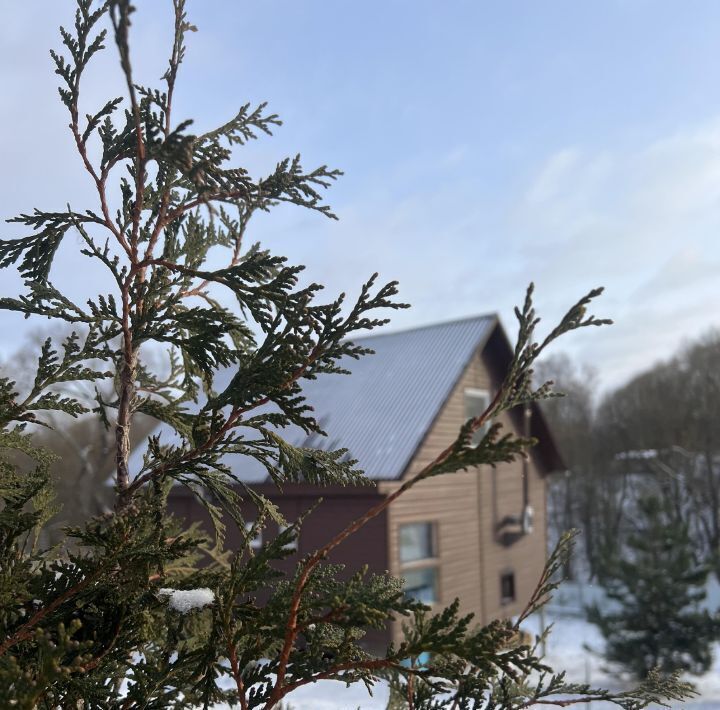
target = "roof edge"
x: 414, y: 328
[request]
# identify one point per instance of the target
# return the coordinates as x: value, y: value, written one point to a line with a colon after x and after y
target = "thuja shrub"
x: 137, y: 611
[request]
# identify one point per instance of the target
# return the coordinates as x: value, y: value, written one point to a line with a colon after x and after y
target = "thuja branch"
x: 26, y: 630
x: 120, y: 15
x: 170, y: 76
x: 232, y: 420
x: 120, y: 11
x: 71, y: 96
x: 160, y: 236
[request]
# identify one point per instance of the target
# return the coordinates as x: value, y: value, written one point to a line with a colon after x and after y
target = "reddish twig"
x: 25, y: 631
x: 563, y: 703
x: 97, y: 659
x: 374, y: 664
x: 237, y: 675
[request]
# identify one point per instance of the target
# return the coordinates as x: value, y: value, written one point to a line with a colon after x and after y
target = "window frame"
x: 507, y: 600
x: 424, y: 563
x: 477, y: 392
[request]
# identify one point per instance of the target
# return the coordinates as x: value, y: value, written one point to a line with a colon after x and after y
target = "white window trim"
x: 478, y: 392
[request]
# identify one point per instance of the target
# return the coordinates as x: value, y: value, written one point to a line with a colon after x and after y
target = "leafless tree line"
x: 657, y: 435
x: 84, y: 447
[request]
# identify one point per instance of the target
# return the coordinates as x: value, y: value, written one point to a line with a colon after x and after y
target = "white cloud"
x: 647, y: 225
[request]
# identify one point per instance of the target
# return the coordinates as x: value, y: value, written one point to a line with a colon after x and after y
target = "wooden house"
x: 478, y: 535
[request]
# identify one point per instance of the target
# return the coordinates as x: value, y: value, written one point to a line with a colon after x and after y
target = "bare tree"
x: 571, y: 420
x: 663, y: 427
x: 84, y: 468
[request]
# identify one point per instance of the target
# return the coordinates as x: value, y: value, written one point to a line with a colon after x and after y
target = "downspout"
x: 527, y: 516
x: 527, y: 413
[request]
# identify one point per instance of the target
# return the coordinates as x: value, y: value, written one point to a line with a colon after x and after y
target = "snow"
x: 185, y: 600
x: 573, y: 646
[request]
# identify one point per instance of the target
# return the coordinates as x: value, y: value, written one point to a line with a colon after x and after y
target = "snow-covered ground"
x: 565, y: 651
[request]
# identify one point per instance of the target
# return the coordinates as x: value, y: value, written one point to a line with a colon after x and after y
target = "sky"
x: 484, y: 145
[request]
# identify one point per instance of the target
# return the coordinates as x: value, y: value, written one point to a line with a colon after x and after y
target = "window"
x: 256, y: 541
x: 293, y: 544
x: 476, y: 402
x: 418, y: 561
x: 421, y: 584
x: 416, y: 542
x: 507, y: 587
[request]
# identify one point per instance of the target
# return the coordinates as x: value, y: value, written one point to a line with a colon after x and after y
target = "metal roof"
x: 382, y: 411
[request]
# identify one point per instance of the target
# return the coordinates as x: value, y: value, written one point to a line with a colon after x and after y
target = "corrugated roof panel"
x: 382, y: 411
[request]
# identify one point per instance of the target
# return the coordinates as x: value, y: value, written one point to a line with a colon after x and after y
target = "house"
x: 478, y: 535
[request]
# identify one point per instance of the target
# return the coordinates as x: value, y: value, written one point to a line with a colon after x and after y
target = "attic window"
x: 476, y: 402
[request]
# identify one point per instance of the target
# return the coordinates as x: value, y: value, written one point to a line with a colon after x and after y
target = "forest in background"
x: 657, y: 435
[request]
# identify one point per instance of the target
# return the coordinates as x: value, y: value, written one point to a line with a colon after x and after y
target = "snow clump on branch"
x: 185, y: 600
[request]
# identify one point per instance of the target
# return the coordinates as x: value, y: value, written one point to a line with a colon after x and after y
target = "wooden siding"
x: 501, y: 495
x: 467, y: 507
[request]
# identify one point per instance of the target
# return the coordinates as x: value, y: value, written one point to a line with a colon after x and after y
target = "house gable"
x: 468, y: 509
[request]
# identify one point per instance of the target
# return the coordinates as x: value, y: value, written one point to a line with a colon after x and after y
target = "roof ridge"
x: 428, y: 326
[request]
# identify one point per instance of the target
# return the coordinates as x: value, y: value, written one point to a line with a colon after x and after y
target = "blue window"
x: 416, y: 542
x: 421, y: 584
x: 419, y: 561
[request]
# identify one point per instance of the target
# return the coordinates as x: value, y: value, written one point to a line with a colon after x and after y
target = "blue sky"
x: 484, y: 144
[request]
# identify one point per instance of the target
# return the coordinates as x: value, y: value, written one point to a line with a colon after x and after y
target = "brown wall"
x: 339, y: 507
x: 467, y: 508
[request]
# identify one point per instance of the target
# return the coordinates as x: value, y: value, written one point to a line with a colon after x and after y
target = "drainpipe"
x: 527, y: 516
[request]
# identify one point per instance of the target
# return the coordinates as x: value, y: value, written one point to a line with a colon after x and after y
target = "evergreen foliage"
x: 97, y: 625
x: 657, y: 586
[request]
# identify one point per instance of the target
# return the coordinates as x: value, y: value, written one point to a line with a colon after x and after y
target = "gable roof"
x: 382, y: 411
